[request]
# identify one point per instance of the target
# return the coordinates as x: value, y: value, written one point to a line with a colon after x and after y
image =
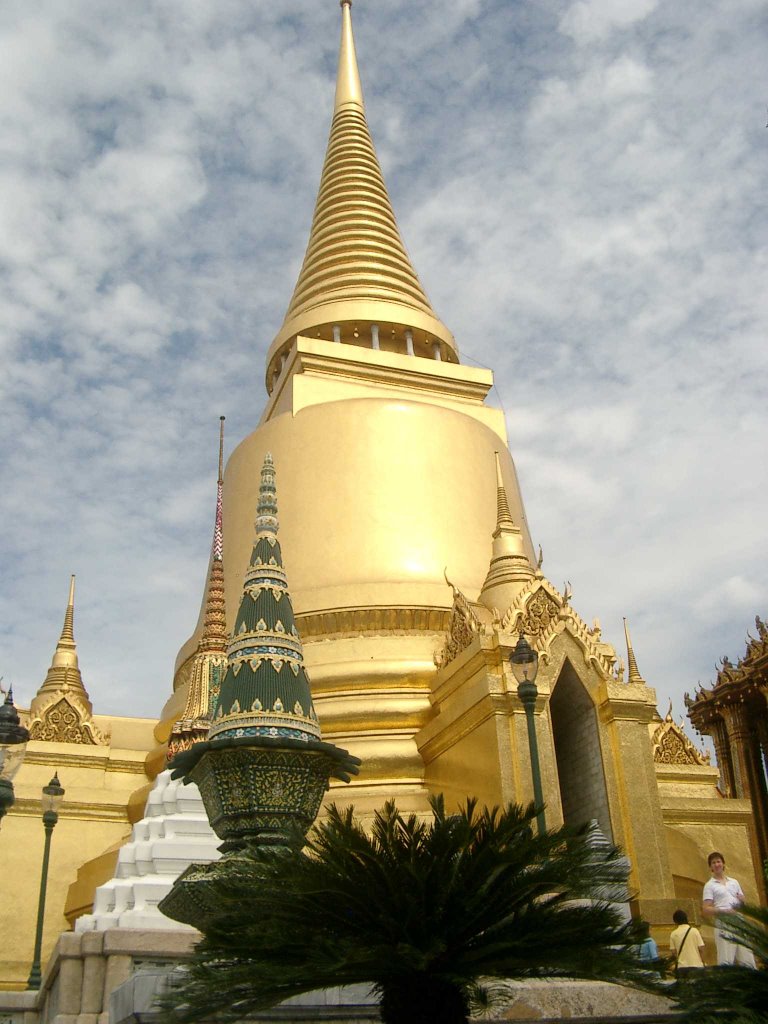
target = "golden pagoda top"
x: 357, y: 285
x: 633, y: 672
x: 61, y: 710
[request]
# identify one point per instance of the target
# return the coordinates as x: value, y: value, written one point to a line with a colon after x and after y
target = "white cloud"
x: 587, y: 21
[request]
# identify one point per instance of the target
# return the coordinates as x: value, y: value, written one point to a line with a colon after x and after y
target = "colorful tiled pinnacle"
x: 266, y: 690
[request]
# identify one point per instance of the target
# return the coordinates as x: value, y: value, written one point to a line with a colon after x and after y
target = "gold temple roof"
x: 356, y: 270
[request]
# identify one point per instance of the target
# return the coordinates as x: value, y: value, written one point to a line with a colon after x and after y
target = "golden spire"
x: 63, y: 677
x: 633, y: 673
x: 357, y: 279
x: 65, y: 655
x: 349, y: 89
x: 509, y: 569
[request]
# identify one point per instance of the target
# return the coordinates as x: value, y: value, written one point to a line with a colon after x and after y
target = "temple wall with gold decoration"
x: 99, y: 782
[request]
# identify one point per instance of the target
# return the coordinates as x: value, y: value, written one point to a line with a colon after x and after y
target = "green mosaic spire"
x: 265, y: 691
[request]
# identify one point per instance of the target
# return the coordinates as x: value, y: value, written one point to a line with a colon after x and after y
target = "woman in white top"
x: 723, y: 895
x: 686, y: 943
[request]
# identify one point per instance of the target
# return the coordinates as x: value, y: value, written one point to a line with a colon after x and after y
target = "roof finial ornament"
x: 509, y: 568
x: 67, y: 630
x: 349, y: 89
x: 633, y: 673
x: 503, y: 515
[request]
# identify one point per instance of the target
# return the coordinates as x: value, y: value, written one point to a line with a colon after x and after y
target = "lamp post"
x: 524, y: 662
x: 13, y: 743
x: 53, y: 794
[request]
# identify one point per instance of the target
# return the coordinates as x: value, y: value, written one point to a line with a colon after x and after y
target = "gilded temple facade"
x: 101, y: 763
x: 412, y: 572
x: 734, y: 712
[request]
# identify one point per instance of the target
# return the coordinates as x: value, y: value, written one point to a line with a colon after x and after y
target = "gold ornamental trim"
x: 463, y: 627
x: 671, y: 746
x: 64, y: 719
x: 542, y: 612
x: 379, y: 621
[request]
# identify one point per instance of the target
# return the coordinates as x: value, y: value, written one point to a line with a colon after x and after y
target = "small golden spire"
x: 633, y: 673
x: 503, y: 515
x: 510, y: 568
x: 349, y: 88
x: 65, y: 655
x: 63, y: 677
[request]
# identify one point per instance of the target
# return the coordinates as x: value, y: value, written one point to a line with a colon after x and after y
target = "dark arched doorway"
x: 577, y: 750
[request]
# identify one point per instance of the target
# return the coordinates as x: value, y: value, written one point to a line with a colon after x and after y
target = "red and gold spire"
x: 210, y: 661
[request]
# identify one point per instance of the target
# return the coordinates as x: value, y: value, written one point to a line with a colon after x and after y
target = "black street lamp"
x: 53, y: 794
x: 525, y: 664
x: 13, y: 743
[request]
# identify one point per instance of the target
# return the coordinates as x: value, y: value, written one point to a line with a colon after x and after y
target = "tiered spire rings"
x: 357, y: 285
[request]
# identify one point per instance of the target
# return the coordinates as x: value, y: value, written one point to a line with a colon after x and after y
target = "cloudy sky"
x: 581, y: 186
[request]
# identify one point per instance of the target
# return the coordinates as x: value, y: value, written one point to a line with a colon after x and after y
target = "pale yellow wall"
x: 98, y: 782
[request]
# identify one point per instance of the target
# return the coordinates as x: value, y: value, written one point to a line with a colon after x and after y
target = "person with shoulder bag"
x: 686, y: 943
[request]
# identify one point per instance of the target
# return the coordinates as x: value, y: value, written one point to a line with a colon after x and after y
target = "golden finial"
x: 67, y: 638
x: 509, y: 568
x: 349, y: 88
x: 503, y: 515
x: 64, y: 674
x: 633, y: 674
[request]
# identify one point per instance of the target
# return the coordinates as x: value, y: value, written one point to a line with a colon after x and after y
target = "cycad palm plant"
x: 424, y: 911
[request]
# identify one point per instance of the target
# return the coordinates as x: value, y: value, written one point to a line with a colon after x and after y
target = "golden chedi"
x: 387, y: 468
x: 412, y: 569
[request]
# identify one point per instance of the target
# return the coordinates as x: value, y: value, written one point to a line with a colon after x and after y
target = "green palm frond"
x: 420, y: 910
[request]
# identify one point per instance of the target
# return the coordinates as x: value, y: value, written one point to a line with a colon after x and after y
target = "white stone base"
x: 173, y: 834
